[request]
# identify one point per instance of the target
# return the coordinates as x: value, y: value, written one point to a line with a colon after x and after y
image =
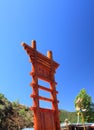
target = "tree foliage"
x: 85, y: 104
x: 71, y: 116
x: 14, y: 116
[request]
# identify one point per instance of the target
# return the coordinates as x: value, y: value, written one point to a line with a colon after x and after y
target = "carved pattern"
x: 43, y: 73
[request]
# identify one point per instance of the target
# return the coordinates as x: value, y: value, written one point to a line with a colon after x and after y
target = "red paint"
x: 43, y: 67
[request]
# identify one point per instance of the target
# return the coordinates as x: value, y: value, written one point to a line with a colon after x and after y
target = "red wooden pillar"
x: 53, y: 93
x: 35, y: 93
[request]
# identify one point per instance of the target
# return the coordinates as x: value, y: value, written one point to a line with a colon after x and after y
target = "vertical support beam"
x: 49, y: 55
x: 35, y: 92
x: 33, y: 44
x: 53, y: 93
x: 55, y: 105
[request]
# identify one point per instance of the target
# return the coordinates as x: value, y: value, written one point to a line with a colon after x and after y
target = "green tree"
x: 85, y: 105
x: 15, y: 103
x: 1, y: 96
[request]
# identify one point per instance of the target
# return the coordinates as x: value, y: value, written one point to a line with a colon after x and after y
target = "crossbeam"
x: 46, y: 89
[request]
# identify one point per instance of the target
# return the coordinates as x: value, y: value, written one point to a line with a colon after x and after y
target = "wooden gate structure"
x: 43, y: 67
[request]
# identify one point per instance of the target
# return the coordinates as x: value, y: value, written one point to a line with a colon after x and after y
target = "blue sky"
x: 64, y: 26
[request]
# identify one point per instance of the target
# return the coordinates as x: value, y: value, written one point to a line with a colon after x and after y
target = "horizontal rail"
x: 45, y: 99
x: 44, y: 88
x: 47, y: 89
